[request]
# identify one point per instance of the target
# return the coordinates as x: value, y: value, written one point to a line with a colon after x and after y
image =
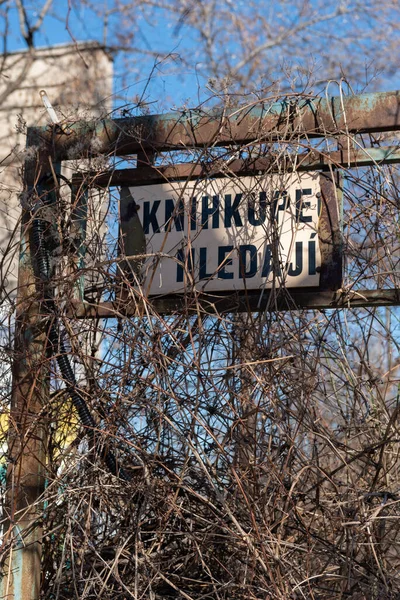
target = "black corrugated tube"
x: 58, y: 348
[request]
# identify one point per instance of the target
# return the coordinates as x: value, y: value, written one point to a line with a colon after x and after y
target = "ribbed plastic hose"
x: 58, y: 348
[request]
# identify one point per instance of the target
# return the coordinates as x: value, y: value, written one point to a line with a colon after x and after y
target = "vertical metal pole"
x: 21, y: 576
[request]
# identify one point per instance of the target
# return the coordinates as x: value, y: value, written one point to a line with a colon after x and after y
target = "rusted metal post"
x: 27, y: 427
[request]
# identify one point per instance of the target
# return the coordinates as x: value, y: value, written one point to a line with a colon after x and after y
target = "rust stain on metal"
x: 175, y: 131
x: 330, y: 234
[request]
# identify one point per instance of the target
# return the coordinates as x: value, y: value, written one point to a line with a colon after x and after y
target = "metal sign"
x: 242, y: 234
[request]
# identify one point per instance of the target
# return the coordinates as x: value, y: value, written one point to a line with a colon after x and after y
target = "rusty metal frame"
x: 315, y: 160
x: 257, y: 122
x: 310, y: 118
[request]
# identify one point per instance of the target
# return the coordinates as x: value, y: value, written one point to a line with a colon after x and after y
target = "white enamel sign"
x: 222, y: 234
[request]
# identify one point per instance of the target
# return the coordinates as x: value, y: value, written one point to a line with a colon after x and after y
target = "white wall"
x: 78, y: 82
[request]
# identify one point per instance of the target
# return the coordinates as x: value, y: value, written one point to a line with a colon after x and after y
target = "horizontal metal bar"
x: 283, y: 300
x: 289, y: 119
x: 314, y: 160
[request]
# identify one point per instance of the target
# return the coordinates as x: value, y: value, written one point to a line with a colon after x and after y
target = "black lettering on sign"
x: 247, y: 261
x: 207, y: 211
x: 280, y: 203
x: 267, y: 264
x: 312, y: 255
x: 301, y: 205
x: 186, y: 259
x: 203, y: 265
x: 175, y: 211
x: 297, y: 268
x: 232, y: 210
x: 224, y: 262
x: 150, y: 216
x: 261, y: 209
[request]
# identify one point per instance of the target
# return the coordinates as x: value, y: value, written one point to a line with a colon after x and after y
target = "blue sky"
x: 329, y: 48
x: 84, y: 26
